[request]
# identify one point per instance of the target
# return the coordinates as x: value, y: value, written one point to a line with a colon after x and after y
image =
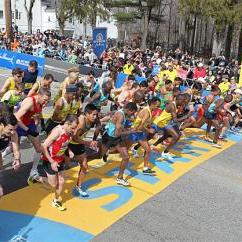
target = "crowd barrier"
x: 11, y: 60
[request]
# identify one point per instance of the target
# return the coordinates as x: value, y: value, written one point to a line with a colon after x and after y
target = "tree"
x: 29, y: 13
x: 81, y: 10
x: 96, y: 8
x: 8, y: 18
x: 143, y: 10
x: 236, y: 20
x: 63, y: 12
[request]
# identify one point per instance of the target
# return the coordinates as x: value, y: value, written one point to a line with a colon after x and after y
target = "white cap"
x: 158, y: 61
x: 239, y: 91
x: 200, y: 64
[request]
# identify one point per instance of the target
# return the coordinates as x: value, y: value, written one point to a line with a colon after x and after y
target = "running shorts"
x: 109, y: 141
x: 22, y: 132
x: 77, y: 149
x: 48, y: 169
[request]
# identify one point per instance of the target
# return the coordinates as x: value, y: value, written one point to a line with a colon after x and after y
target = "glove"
x: 32, y: 133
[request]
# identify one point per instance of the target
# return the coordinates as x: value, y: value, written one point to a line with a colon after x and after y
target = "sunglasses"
x: 19, y: 76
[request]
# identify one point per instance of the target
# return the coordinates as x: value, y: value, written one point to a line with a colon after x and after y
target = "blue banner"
x: 10, y: 60
x: 99, y: 41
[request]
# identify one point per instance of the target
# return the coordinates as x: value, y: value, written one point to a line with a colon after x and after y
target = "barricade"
x: 11, y: 60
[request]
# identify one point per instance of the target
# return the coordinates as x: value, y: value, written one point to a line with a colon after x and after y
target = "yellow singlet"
x: 138, y: 119
x: 12, y: 85
x: 162, y: 120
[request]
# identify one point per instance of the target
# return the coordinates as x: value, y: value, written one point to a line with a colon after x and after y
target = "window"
x: 16, y: 14
x: 19, y: 15
x: 1, y: 14
x: 12, y: 15
x: 49, y: 19
x: 70, y: 20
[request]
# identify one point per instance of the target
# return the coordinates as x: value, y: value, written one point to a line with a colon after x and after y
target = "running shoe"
x: 167, y: 156
x: 81, y: 192
x: 104, y: 158
x: 135, y: 153
x: 122, y: 181
x: 148, y: 172
x: 223, y: 138
x: 33, y: 179
x: 216, y: 145
x: 58, y: 204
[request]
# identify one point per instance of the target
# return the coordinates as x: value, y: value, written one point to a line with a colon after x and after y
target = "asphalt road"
x: 203, y: 205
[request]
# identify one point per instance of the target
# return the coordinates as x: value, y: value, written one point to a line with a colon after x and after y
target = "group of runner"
x: 149, y: 109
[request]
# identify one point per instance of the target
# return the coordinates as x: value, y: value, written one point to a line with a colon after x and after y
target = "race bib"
x: 28, y: 85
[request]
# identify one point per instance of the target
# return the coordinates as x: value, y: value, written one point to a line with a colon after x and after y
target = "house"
x: 44, y: 17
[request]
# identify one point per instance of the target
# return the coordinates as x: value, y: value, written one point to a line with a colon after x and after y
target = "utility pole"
x: 14, y: 7
x: 169, y: 25
x: 8, y: 18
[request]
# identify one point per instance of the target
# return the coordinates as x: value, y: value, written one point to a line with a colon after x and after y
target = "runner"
x: 30, y: 107
x: 210, y: 106
x: 62, y: 108
x: 112, y: 138
x: 71, y: 79
x: 30, y: 76
x: 43, y: 83
x: 8, y: 135
x: 13, y: 98
x: 53, y: 157
x: 77, y: 103
x: 167, y: 124
x: 14, y: 82
x: 78, y: 144
x: 142, y: 124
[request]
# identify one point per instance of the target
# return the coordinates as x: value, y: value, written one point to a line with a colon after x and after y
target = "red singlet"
x: 59, y: 146
x: 28, y: 119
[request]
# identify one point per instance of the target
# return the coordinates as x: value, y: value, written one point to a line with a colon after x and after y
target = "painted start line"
x: 26, y: 215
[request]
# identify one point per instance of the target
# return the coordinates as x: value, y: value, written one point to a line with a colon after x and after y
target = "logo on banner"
x: 99, y: 39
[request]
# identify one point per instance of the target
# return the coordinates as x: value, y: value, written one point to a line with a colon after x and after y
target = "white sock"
x: 7, y: 151
x: 35, y: 159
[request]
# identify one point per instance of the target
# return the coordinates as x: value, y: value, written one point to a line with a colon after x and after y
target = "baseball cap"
x: 71, y: 88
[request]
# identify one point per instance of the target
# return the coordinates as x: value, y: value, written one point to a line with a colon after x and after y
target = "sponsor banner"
x: 10, y: 60
x: 99, y: 36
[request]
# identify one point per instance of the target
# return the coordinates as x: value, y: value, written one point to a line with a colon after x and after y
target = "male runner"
x: 30, y: 76
x: 8, y: 125
x: 53, y: 157
x: 30, y: 107
x: 61, y: 109
x: 143, y: 133
x: 112, y: 137
x: 44, y: 83
x: 14, y: 82
x: 78, y: 144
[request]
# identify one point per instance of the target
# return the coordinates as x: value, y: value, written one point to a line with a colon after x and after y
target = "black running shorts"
x: 77, y: 149
x: 110, y: 141
x: 48, y: 169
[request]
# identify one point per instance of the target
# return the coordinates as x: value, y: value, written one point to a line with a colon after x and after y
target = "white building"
x: 44, y: 18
